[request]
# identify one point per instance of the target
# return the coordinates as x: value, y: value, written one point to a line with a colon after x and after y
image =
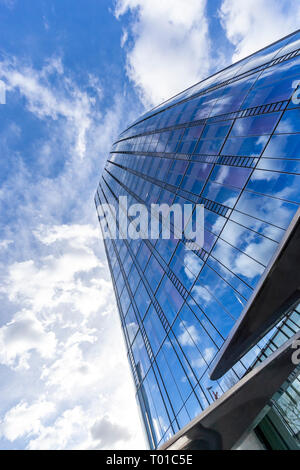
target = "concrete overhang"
x: 225, y: 423
x: 277, y: 292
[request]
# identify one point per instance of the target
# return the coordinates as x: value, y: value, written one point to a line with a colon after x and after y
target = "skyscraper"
x: 217, y: 319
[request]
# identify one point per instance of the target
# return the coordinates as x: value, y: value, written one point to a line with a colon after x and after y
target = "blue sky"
x: 76, y: 73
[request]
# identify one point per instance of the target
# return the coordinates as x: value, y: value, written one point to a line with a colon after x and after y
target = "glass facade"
x: 231, y: 143
x: 280, y: 428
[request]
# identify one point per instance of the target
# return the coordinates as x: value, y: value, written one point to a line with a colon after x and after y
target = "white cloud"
x: 44, y: 101
x: 75, y: 234
x: 124, y: 38
x: 192, y: 265
x: 237, y: 262
x: 171, y: 46
x: 253, y: 24
x: 206, y: 359
x: 80, y: 428
x: 260, y: 175
x: 63, y: 327
x: 202, y: 293
x: 23, y: 334
x: 189, y: 335
x: 71, y: 371
x: 25, y: 419
x: 107, y: 433
x: 74, y: 428
x: 246, y: 267
x: 4, y: 244
x: 68, y: 337
x: 69, y: 427
x: 51, y: 280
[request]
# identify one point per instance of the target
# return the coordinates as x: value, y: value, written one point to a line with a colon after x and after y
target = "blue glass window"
x: 228, y: 276
x: 166, y: 248
x: 251, y: 243
x: 268, y: 230
x: 143, y: 255
x: 184, y: 303
x: 276, y: 164
x: 174, y: 376
x: 215, y: 130
x: 275, y: 84
x: 276, y: 184
x: 240, y: 264
x: 233, y: 96
x: 131, y: 324
x: 133, y: 279
x: 213, y: 309
x: 156, y: 404
x: 257, y: 125
x: 125, y: 300
x: 186, y: 265
x: 154, y: 329
x: 169, y: 298
x: 219, y: 193
x: 283, y: 146
x: 154, y: 273
x: 209, y: 146
x: 142, y: 299
x: 267, y: 209
x: 289, y: 123
x: 140, y: 355
x: 176, y: 172
x: 249, y: 146
x: 230, y: 175
x: 195, y: 177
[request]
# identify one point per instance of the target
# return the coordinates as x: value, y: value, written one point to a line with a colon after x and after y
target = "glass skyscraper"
x: 231, y: 143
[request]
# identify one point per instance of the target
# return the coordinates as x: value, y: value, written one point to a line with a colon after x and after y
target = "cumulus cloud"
x: 61, y: 324
x: 76, y: 234
x: 66, y: 101
x: 53, y: 278
x: 24, y: 419
x: 68, y: 427
x: 75, y: 425
x: 206, y: 359
x: 253, y: 24
x: 202, y: 293
x: 107, y: 433
x: 71, y: 370
x: 68, y: 334
x: 170, y: 46
x: 189, y: 335
x: 4, y: 244
x: 25, y: 333
x: 192, y: 265
x: 124, y: 38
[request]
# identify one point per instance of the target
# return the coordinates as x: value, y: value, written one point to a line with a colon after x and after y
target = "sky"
x: 76, y: 73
